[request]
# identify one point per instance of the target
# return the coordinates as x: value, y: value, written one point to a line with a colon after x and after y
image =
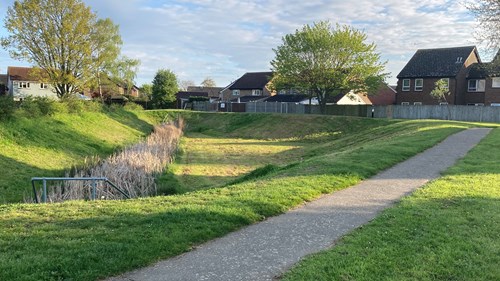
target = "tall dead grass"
x: 134, y: 169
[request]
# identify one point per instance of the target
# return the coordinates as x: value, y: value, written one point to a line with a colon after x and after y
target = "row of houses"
x: 21, y: 82
x: 469, y: 81
x: 256, y: 87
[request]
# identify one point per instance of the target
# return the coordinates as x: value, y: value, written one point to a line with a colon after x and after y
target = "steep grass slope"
x: 48, y: 146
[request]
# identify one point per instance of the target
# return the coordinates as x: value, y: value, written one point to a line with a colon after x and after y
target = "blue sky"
x: 223, y: 39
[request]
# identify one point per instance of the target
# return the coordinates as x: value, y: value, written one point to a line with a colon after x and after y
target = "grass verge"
x: 91, y: 240
x: 448, y: 230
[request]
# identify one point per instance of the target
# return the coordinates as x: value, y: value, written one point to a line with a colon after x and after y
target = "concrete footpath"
x: 265, y: 250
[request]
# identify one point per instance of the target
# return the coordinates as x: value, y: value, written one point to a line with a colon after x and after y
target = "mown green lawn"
x: 91, y: 240
x: 448, y: 230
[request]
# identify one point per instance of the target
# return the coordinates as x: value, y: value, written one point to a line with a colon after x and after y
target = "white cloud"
x: 225, y: 38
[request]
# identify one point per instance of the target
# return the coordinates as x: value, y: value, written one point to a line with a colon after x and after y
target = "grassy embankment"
x: 47, y: 146
x: 448, y: 230
x: 308, y: 156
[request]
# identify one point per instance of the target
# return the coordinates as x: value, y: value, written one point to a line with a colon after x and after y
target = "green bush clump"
x: 132, y: 106
x: 7, y: 107
x: 37, y: 106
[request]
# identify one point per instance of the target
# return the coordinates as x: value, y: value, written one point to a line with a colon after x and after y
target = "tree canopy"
x: 441, y: 90
x: 487, y: 13
x: 165, y: 88
x: 324, y: 61
x: 208, y: 82
x: 65, y: 40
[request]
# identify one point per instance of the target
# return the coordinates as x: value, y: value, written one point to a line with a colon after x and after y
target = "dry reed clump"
x: 133, y: 170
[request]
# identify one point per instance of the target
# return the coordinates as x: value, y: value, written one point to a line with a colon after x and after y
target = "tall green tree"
x: 64, y: 39
x: 165, y: 88
x: 487, y: 13
x: 324, y: 61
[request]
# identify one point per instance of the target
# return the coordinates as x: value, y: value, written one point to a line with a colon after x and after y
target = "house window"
x: 417, y: 103
x: 495, y: 82
x: 405, y: 103
x: 282, y: 92
x: 419, y: 84
x: 406, y: 85
x: 476, y: 104
x: 24, y: 85
x: 236, y: 92
x: 43, y: 86
x: 476, y: 85
x: 447, y: 82
x: 256, y: 92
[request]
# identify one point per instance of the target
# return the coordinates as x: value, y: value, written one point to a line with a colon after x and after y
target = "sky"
x: 223, y: 39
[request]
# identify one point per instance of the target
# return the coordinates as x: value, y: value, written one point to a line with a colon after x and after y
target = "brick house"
x: 483, y: 84
x: 250, y: 84
x: 418, y: 77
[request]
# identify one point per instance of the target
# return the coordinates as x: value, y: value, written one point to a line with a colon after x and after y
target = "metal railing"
x: 93, y: 180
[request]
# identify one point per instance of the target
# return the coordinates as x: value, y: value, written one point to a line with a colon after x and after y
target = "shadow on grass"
x: 131, y: 120
x: 104, y: 244
x: 15, y: 182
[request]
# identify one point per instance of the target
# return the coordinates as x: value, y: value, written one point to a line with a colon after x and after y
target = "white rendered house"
x: 22, y: 84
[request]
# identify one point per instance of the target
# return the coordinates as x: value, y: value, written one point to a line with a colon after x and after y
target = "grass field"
x: 448, y: 230
x: 91, y: 240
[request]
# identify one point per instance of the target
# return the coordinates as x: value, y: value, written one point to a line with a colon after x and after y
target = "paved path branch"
x: 265, y: 250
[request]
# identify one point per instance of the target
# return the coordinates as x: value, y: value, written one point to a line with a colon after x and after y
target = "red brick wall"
x: 423, y: 96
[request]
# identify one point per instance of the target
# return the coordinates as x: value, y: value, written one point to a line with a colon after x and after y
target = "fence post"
x: 94, y: 187
x: 44, y: 191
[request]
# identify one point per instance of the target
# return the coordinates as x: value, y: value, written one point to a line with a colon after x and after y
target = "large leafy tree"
x: 64, y: 39
x: 487, y: 13
x: 165, y: 88
x: 324, y: 61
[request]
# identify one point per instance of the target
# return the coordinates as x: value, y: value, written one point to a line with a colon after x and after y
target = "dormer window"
x: 459, y: 60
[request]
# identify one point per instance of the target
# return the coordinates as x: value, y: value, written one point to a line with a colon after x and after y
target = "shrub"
x: 132, y: 106
x: 74, y: 105
x: 7, y: 107
x: 37, y: 106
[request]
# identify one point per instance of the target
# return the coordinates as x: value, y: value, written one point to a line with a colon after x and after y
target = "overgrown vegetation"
x: 133, y: 170
x: 90, y: 240
x: 448, y: 230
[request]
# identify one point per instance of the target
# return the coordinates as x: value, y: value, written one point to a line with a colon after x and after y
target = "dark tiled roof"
x: 21, y: 73
x: 444, y: 62
x: 187, y: 95
x: 212, y: 91
x: 483, y: 70
x: 287, y: 98
x: 252, y: 80
x: 245, y: 99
